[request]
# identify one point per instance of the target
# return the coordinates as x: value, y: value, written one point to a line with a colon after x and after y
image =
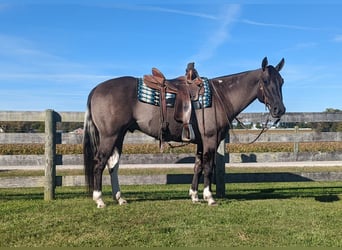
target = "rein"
x: 264, y: 127
x: 263, y: 130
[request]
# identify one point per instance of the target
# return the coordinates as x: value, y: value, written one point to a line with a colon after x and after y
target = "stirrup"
x: 188, y: 133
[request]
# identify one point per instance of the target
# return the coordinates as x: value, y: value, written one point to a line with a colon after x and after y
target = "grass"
x: 263, y: 214
x: 175, y: 170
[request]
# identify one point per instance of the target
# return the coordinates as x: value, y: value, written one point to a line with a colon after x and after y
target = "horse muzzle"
x: 277, y: 111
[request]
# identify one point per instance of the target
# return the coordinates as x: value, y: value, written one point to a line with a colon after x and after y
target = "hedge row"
x: 36, y: 149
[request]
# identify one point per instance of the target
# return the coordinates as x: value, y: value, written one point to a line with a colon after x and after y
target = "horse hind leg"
x: 113, y: 167
x: 208, y: 197
x: 98, y: 171
x: 102, y: 156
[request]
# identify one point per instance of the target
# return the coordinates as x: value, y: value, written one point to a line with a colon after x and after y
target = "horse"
x: 113, y: 109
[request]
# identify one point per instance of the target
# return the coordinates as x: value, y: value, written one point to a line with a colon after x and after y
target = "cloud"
x: 3, y: 6
x: 219, y: 35
x: 181, y: 12
x: 308, y: 45
x: 19, y: 50
x: 275, y: 25
x: 56, y: 77
x: 160, y: 9
x: 21, y: 59
x: 338, y: 38
x: 301, y: 46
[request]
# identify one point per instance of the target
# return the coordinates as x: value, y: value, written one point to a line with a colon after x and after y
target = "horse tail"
x: 90, y: 146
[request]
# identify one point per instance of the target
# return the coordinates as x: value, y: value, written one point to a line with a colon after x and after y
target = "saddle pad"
x: 151, y: 96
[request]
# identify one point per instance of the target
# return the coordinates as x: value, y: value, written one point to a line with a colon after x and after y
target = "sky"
x: 52, y: 53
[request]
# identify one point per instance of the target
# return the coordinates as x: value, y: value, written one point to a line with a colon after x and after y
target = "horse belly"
x: 147, y: 119
x: 149, y: 122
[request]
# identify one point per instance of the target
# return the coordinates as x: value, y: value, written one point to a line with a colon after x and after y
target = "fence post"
x: 220, y: 171
x: 50, y: 155
x: 296, y: 144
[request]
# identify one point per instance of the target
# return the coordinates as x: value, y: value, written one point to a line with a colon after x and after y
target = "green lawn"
x: 263, y: 214
x: 175, y: 170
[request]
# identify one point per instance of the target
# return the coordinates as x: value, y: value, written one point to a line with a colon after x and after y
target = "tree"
x: 331, y: 110
x: 328, y: 126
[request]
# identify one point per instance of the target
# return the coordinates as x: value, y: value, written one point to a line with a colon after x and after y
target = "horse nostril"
x: 278, y: 111
x: 275, y: 110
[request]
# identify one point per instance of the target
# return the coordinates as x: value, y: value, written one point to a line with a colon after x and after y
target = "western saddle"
x: 186, y: 88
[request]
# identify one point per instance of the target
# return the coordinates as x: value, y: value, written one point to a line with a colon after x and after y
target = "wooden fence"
x: 50, y: 117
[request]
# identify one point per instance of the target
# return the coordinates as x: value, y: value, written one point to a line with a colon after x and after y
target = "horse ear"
x: 264, y: 63
x: 280, y: 65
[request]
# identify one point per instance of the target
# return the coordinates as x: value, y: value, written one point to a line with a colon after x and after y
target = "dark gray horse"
x: 113, y: 108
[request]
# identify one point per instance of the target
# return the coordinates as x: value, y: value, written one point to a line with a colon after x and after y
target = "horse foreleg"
x: 113, y: 167
x: 193, y: 192
x: 209, y: 164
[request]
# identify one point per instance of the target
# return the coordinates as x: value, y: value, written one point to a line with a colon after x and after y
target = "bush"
x: 63, y: 149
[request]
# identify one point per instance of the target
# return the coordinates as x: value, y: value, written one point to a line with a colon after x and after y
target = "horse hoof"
x: 122, y: 202
x: 102, y: 205
x: 212, y: 202
x: 194, y: 196
x: 197, y: 201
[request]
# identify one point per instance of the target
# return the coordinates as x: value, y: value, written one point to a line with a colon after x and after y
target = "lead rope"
x: 264, y: 128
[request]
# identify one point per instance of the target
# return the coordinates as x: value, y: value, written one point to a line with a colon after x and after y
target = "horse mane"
x: 229, y: 80
x: 234, y: 75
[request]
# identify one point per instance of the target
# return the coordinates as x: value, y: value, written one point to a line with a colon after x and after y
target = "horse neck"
x: 238, y: 91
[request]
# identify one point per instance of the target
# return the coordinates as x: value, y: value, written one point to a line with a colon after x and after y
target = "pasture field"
x: 260, y: 214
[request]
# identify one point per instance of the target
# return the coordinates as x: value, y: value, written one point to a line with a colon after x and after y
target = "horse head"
x: 270, y: 88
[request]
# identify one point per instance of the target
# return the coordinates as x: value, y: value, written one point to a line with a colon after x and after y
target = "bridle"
x: 264, y: 125
x: 264, y: 98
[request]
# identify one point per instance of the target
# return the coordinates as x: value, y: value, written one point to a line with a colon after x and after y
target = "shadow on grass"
x: 321, y: 194
x: 16, y: 194
x: 143, y: 193
x: 325, y: 194
x: 7, y: 194
x: 327, y: 198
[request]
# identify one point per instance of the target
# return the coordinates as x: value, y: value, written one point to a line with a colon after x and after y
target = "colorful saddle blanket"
x: 151, y: 96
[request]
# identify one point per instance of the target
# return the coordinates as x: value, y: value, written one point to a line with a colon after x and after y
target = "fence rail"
x: 294, y: 117
x: 137, y: 137
x: 244, y: 117
x: 51, y: 117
